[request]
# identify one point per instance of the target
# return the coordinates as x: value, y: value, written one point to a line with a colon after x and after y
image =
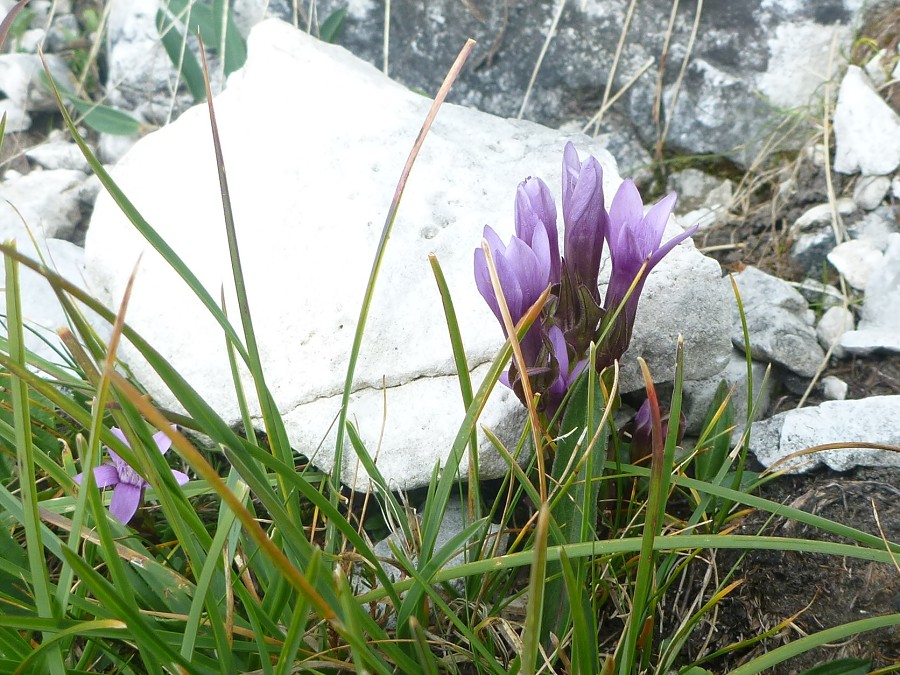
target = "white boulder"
x: 312, y: 168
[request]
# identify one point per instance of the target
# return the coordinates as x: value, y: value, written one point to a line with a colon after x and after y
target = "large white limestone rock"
x: 314, y: 141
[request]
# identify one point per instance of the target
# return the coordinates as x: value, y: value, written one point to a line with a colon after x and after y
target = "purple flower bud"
x: 524, y: 273
x: 536, y: 211
x: 633, y: 239
x: 585, y: 217
x: 642, y: 434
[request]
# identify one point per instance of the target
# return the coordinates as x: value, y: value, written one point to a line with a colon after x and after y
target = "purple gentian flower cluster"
x: 556, y: 345
x: 127, y: 484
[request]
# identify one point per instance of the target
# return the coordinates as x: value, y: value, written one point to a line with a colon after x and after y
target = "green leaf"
x: 712, y: 454
x: 577, y: 468
x: 103, y: 118
x: 174, y: 43
x: 330, y: 27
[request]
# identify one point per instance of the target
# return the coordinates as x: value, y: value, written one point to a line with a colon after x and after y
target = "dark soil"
x: 798, y: 594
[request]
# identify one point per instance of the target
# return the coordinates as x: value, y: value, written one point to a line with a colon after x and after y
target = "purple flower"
x: 536, y: 210
x: 523, y: 276
x: 128, y: 486
x: 585, y: 217
x: 633, y: 239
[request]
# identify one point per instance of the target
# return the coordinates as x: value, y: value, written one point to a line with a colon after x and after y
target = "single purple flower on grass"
x: 634, y: 238
x: 128, y: 486
x: 585, y: 217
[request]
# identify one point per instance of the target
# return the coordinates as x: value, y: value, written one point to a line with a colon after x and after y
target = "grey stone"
x: 776, y: 321
x: 142, y: 77
x: 866, y: 129
x: 876, y: 227
x: 58, y: 155
x: 751, y: 60
x: 44, y: 201
x: 855, y: 260
x: 871, y: 420
x: 699, y: 394
x: 20, y: 82
x: 308, y: 221
x: 810, y: 250
x: 822, y: 214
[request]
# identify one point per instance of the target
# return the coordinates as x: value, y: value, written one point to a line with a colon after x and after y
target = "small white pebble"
x: 834, y: 388
x: 834, y: 323
x: 870, y: 191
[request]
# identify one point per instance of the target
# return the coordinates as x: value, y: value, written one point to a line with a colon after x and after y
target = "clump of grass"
x: 253, y: 566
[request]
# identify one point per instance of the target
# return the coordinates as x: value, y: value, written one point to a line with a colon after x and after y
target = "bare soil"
x: 796, y: 594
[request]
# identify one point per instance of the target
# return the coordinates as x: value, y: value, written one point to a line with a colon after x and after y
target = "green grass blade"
x: 395, y: 513
x: 531, y: 639
x: 141, y: 629
x: 224, y: 529
x: 465, y: 381
x: 25, y: 460
x: 585, y: 656
x: 299, y: 622
x: 272, y: 419
x: 808, y: 642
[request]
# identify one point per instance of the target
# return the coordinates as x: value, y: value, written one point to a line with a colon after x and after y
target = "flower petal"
x: 661, y: 252
x: 571, y: 169
x: 625, y: 213
x: 180, y: 477
x: 560, y: 351
x: 105, y: 475
x: 525, y: 267
x: 117, y: 461
x: 536, y: 210
x: 118, y: 433
x: 125, y: 501
x: 483, y: 278
x: 163, y: 442
x: 654, y: 224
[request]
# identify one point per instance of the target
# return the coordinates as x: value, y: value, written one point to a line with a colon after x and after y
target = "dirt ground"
x: 810, y: 592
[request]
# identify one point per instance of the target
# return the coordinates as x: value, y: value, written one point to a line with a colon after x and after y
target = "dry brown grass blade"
x: 849, y: 445
x: 661, y: 142
x: 8, y: 20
